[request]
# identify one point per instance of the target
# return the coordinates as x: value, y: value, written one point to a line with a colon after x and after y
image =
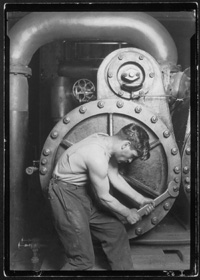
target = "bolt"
x: 43, y: 170
x: 176, y: 179
x: 174, y: 151
x: 138, y: 109
x: 188, y: 151
x: 120, y: 56
x: 120, y: 93
x: 54, y: 134
x: 110, y: 74
x: 46, y: 152
x: 176, y: 188
x: 44, y: 161
x: 82, y: 109
x: 166, y: 206
x: 66, y: 120
x: 177, y: 169
x: 166, y: 133
x: 141, y: 57
x: 154, y: 119
x: 138, y: 231
x: 187, y: 180
x: 141, y: 93
x: 100, y: 104
x: 188, y: 189
x: 151, y: 75
x: 186, y: 169
x: 154, y: 220
x: 120, y: 104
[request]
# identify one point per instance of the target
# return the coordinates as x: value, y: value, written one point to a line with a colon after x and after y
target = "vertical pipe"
x: 18, y: 140
x: 110, y: 124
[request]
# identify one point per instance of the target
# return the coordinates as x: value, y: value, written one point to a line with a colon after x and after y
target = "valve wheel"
x: 84, y: 90
x: 150, y: 177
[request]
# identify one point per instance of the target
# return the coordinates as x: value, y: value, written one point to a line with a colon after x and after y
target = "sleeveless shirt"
x: 65, y: 167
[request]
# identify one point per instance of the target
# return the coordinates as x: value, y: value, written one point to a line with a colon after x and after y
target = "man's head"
x: 134, y: 143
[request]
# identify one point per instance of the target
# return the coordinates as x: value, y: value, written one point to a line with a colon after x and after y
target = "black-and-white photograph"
x: 101, y: 140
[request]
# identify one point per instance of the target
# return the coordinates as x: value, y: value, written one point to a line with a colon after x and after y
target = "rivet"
x: 166, y: 206
x: 188, y: 189
x: 166, y: 133
x: 46, y: 152
x: 110, y: 74
x: 176, y: 188
x: 176, y: 179
x: 187, y: 180
x: 188, y: 151
x: 141, y: 93
x: 154, y: 119
x: 154, y: 220
x: 177, y: 169
x: 82, y: 109
x: 54, y: 134
x: 151, y: 75
x: 120, y: 56
x: 185, y: 169
x: 174, y: 151
x: 66, y: 120
x: 43, y: 170
x: 44, y: 161
x: 138, y: 231
x: 100, y: 104
x: 120, y: 104
x: 141, y: 57
x: 138, y: 109
x: 120, y: 93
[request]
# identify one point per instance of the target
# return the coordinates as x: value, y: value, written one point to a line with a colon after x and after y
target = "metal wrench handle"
x: 172, y: 191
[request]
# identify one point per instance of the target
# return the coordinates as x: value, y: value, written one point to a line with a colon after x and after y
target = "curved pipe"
x: 140, y: 29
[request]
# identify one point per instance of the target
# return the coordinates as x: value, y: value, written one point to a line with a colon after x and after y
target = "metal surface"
x: 62, y: 100
x: 186, y: 165
x: 76, y: 69
x: 146, y: 87
x: 171, y: 191
x: 72, y: 128
x: 37, y: 29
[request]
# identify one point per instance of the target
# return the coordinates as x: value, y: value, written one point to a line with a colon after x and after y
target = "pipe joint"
x: 20, y: 69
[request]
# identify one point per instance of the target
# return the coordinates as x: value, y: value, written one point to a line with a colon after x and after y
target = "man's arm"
x: 120, y: 184
x: 98, y: 169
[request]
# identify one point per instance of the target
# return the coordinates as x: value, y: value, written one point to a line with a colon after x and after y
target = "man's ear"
x: 125, y: 144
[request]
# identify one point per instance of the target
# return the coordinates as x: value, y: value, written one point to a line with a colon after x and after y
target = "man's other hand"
x: 133, y: 216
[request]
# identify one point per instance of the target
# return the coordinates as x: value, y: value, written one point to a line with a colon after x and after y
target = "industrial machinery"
x: 96, y: 81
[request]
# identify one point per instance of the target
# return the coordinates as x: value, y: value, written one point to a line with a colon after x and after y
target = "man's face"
x: 125, y: 153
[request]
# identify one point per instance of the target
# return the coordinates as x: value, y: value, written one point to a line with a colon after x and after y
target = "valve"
x: 31, y: 169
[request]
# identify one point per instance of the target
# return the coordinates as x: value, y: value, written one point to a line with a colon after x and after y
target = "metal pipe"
x: 140, y: 29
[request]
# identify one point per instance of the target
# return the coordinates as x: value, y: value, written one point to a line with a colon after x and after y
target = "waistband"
x: 57, y: 179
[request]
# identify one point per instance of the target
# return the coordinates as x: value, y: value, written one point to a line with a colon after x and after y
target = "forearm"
x: 114, y: 205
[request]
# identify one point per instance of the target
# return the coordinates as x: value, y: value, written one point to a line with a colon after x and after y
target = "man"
x: 81, y: 186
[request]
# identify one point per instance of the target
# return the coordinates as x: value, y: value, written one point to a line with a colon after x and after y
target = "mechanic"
x: 82, y: 205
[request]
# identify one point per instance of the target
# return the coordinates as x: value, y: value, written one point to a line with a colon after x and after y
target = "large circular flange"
x: 186, y: 163
x: 140, y: 69
x: 92, y: 110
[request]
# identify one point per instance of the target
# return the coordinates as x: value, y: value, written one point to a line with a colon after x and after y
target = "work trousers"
x: 76, y: 218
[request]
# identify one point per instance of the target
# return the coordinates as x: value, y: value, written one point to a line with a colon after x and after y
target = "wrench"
x: 172, y: 191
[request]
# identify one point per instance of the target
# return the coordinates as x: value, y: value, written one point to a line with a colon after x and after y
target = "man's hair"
x: 138, y: 137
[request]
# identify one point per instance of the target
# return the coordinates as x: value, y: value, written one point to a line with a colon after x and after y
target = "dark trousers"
x: 75, y: 218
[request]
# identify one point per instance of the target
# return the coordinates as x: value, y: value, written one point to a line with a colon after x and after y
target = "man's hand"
x: 133, y: 216
x: 151, y: 205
